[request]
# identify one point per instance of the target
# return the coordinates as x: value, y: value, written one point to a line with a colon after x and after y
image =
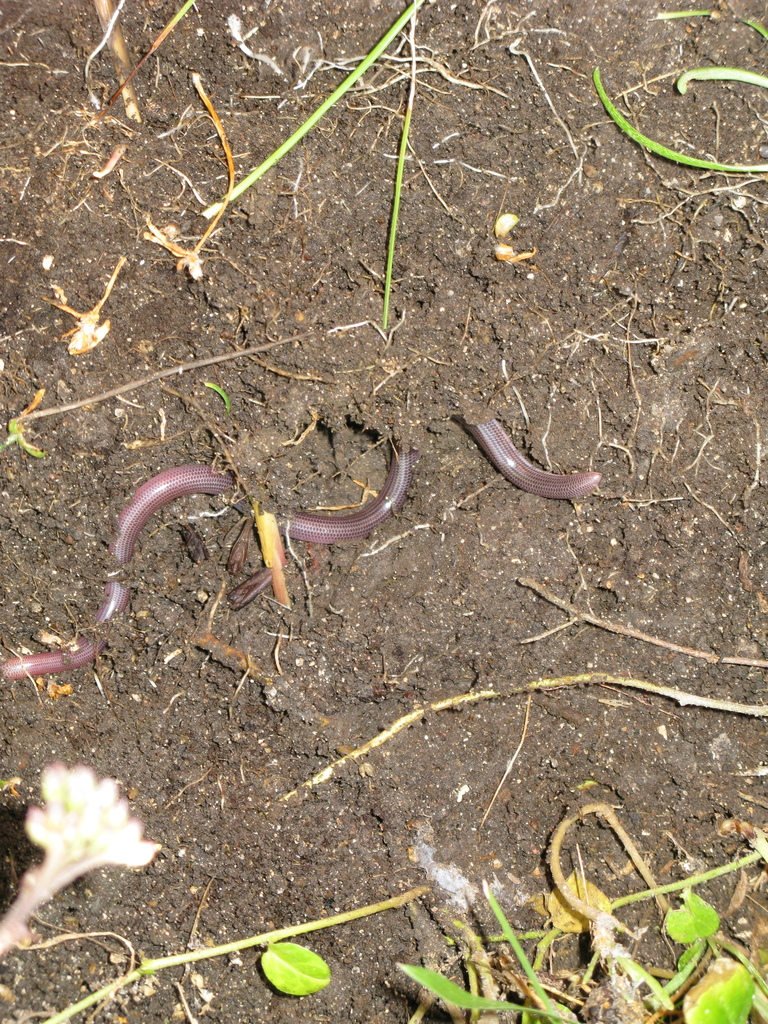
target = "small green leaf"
x: 220, y: 392
x: 723, y: 996
x: 295, y: 970
x: 696, y: 919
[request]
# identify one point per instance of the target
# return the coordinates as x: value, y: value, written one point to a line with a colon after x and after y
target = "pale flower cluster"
x: 84, y: 825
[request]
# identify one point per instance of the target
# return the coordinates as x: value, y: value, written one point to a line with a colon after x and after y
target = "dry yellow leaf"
x: 564, y: 916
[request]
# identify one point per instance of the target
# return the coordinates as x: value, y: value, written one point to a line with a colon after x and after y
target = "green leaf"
x: 295, y: 970
x: 696, y: 920
x: 691, y: 954
x: 220, y: 392
x: 756, y: 26
x: 723, y: 996
x: 669, y: 154
x: 686, y: 965
x: 683, y: 14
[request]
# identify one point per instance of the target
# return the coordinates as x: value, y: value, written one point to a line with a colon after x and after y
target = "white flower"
x: 85, y: 824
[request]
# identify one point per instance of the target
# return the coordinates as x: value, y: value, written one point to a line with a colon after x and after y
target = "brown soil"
x: 632, y: 342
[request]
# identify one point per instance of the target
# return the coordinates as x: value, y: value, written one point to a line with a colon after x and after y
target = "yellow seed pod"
x: 503, y: 252
x: 504, y: 224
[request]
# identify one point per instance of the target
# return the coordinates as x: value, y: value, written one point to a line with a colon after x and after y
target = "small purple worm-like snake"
x: 319, y: 529
x: 148, y: 499
x: 157, y: 492
x: 510, y: 463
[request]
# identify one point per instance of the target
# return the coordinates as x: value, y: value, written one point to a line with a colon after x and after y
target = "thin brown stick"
x: 606, y: 812
x: 579, y: 616
x: 293, y: 376
x: 194, y: 782
x: 196, y: 364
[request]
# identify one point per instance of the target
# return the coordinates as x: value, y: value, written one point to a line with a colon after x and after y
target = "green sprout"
x: 399, y: 186
x: 16, y: 436
x: 719, y: 75
x: 220, y: 392
x: 683, y: 14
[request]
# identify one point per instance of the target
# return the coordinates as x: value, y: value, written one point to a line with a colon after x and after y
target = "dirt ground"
x: 632, y: 342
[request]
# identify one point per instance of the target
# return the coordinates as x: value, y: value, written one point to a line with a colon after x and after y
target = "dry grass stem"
x: 113, y: 37
x: 189, y: 259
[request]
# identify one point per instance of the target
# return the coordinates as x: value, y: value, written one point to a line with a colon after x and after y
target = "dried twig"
x: 682, y: 698
x: 196, y: 364
x: 387, y: 734
x: 510, y: 763
x: 579, y: 616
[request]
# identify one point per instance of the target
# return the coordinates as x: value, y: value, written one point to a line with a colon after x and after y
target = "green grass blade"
x: 660, y: 150
x: 395, y: 214
x: 683, y: 14
x: 221, y: 393
x: 324, y: 107
x: 757, y: 27
x: 403, y: 152
x: 518, y: 950
x: 454, y: 995
x: 720, y: 75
